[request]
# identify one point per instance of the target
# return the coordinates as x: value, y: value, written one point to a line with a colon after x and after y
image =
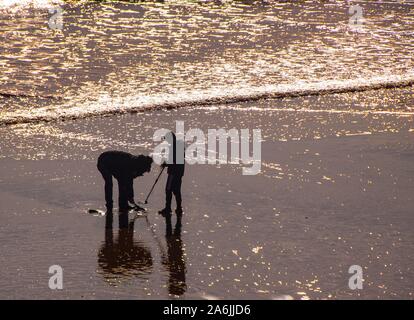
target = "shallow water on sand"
x: 336, y: 186
x: 336, y: 189
x: 127, y: 55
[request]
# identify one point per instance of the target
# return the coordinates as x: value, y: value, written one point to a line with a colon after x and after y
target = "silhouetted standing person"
x: 124, y: 167
x: 175, y: 171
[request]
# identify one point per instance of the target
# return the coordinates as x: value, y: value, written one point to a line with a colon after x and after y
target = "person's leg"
x: 168, y: 197
x: 108, y: 188
x: 177, y: 193
x: 123, y: 203
x: 108, y: 193
x: 168, y: 192
x: 130, y: 190
x: 123, y: 195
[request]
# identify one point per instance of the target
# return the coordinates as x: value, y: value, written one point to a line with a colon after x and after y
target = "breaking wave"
x: 108, y: 105
x: 17, y: 6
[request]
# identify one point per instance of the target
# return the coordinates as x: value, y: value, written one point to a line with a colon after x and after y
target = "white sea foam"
x: 19, y: 5
x: 106, y: 104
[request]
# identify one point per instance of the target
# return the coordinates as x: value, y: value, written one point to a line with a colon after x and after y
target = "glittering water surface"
x: 126, y: 55
x: 336, y: 186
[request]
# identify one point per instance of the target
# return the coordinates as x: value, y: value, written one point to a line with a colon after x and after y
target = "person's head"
x: 170, y: 137
x: 148, y: 162
x: 143, y: 164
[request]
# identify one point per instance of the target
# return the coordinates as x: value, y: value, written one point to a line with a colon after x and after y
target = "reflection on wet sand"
x: 174, y: 261
x: 123, y: 257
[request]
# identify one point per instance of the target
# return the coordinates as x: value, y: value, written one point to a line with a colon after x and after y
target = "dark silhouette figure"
x: 174, y: 260
x: 123, y: 257
x: 124, y: 167
x: 175, y: 171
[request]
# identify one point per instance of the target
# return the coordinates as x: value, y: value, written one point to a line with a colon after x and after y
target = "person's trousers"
x: 173, y: 186
x: 124, y: 191
x: 124, y: 195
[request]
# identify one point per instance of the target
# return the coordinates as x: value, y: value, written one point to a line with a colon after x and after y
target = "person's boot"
x: 165, y: 212
x: 136, y: 207
x: 139, y: 208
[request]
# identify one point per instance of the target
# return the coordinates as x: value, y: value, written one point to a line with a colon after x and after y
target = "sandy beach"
x: 334, y: 191
x: 329, y: 85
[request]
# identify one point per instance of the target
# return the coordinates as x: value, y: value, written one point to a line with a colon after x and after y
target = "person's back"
x: 125, y: 167
x: 177, y: 166
x: 122, y: 164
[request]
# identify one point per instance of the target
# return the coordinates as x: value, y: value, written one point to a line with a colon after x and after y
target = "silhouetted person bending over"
x: 175, y: 171
x: 125, y: 167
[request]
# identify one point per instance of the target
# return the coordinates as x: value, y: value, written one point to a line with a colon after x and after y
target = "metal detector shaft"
x: 146, y: 200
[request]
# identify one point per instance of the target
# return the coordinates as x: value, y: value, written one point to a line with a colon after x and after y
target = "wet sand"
x: 337, y: 170
x: 336, y: 189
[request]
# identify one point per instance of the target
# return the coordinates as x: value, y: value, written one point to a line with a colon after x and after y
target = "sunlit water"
x: 116, y: 57
x: 336, y: 186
